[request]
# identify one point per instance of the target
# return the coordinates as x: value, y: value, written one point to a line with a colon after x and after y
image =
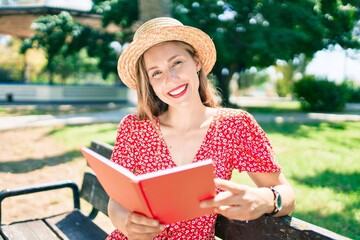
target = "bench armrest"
x: 6, y: 193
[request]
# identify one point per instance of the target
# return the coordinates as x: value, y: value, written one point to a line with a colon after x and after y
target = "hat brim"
x: 200, y: 41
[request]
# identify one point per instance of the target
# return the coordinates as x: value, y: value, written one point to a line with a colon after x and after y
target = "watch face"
x: 278, y: 202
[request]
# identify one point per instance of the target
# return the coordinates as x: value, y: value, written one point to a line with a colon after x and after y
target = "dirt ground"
x: 24, y: 165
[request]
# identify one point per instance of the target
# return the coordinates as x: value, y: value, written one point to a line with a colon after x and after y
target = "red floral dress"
x: 233, y: 141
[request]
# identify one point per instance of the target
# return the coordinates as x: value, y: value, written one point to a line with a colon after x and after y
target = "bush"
x: 320, y: 95
x: 352, y: 91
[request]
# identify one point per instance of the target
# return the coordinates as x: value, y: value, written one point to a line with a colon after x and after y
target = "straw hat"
x: 160, y: 30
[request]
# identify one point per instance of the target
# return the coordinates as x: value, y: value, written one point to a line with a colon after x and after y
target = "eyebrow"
x: 169, y: 60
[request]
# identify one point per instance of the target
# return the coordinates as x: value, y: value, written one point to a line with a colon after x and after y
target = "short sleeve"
x: 253, y: 151
x: 124, y: 144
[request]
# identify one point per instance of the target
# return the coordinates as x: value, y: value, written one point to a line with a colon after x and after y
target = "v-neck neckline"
x: 206, y: 136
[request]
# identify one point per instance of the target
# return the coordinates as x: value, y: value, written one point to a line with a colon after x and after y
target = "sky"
x: 84, y: 5
x: 336, y: 64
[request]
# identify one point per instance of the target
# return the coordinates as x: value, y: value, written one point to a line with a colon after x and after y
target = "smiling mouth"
x: 178, y: 92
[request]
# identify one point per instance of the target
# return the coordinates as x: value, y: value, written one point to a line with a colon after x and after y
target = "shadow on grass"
x: 29, y: 165
x: 339, y: 182
x: 301, y: 129
x: 341, y: 223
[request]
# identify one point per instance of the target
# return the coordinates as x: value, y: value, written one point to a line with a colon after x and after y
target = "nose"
x: 172, y: 76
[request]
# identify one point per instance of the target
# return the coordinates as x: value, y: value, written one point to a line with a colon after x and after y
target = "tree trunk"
x: 154, y: 8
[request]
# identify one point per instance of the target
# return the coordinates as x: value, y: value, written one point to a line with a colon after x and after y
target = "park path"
x: 114, y: 116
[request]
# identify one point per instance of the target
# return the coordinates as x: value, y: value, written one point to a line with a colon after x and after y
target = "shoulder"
x: 132, y: 122
x: 229, y: 114
x: 133, y: 119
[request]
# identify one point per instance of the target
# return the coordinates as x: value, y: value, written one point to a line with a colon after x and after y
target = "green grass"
x: 322, y: 162
x: 77, y: 136
x: 276, y: 107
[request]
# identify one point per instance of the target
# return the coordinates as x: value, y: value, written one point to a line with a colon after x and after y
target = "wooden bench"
x: 75, y: 225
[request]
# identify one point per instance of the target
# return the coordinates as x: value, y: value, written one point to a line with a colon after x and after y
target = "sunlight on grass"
x: 77, y: 136
x: 276, y: 107
x: 322, y: 162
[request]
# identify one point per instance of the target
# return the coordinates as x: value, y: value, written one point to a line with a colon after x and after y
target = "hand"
x: 240, y: 202
x: 139, y: 227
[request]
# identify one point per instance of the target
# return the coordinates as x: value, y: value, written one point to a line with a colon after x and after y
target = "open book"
x: 169, y: 195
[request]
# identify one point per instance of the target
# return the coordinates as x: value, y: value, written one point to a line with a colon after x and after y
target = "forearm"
x: 287, y: 198
x: 278, y: 181
x: 118, y: 215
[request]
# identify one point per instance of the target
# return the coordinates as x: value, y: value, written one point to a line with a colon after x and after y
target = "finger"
x: 222, y: 198
x: 229, y: 186
x: 232, y: 212
x: 140, y: 219
x: 228, y: 198
x: 141, y: 236
x: 141, y: 229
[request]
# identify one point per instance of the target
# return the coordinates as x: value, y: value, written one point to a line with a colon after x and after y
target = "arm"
x: 243, y: 202
x: 280, y: 183
x: 133, y: 225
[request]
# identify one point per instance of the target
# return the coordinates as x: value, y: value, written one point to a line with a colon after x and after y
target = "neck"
x: 184, y: 119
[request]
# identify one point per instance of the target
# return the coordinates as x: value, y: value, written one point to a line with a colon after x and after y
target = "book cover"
x: 169, y: 195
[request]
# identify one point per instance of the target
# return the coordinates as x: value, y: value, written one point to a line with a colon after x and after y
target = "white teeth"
x: 177, y: 91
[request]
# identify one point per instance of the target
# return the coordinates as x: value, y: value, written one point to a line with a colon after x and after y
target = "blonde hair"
x: 149, y: 105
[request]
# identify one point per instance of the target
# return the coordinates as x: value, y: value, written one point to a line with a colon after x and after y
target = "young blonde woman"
x: 179, y: 122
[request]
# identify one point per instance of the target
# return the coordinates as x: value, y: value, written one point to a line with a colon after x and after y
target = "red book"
x: 169, y: 195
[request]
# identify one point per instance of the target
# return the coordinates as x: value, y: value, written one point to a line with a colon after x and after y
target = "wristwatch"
x: 277, y: 202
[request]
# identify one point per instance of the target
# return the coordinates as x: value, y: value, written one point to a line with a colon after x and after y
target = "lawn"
x: 321, y: 160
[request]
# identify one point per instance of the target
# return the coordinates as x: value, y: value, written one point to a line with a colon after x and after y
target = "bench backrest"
x: 265, y: 227
x: 91, y: 189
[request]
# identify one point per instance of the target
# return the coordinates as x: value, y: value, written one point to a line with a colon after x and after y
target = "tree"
x: 246, y: 33
x: 51, y: 34
x: 257, y: 33
x: 11, y: 62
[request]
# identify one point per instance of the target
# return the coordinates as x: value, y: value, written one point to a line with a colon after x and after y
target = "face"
x: 172, y: 73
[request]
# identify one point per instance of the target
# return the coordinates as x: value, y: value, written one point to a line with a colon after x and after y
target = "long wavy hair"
x: 149, y: 105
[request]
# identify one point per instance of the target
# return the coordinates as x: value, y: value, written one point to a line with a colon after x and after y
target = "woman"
x: 178, y: 122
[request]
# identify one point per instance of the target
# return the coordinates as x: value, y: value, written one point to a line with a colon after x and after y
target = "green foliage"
x: 121, y: 12
x: 246, y: 33
x: 251, y: 77
x: 63, y: 39
x: 287, y: 72
x: 257, y: 33
x: 352, y: 91
x: 320, y: 95
x: 51, y: 33
x: 11, y: 62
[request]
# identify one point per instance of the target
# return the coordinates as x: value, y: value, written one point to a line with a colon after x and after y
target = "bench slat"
x: 75, y: 225
x: 101, y: 148
x: 28, y: 230
x: 94, y: 193
x: 272, y: 228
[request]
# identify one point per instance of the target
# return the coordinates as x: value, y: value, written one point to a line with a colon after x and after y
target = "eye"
x: 177, y: 62
x: 155, y: 74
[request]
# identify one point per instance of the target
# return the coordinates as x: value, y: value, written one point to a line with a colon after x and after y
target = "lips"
x: 179, y: 91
